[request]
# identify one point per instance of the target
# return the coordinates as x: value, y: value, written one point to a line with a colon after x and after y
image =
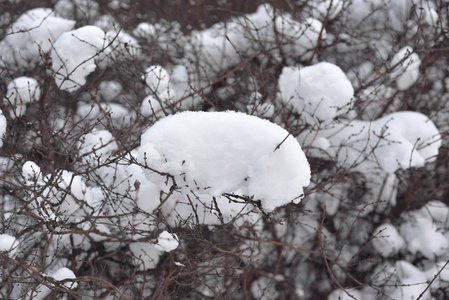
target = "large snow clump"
x: 214, y: 153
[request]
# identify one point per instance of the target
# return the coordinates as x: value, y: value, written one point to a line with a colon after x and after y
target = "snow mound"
x: 22, y: 91
x: 97, y: 145
x: 32, y: 34
x: 422, y: 237
x: 319, y: 93
x: 8, y: 244
x: 31, y: 172
x: 406, y: 68
x: 63, y: 274
x: 42, y: 291
x: 221, y: 152
x: 146, y: 254
x: 121, y: 46
x: 73, y: 56
x: 157, y: 79
x: 2, y: 127
x: 72, y: 9
x: 388, y: 241
x: 396, y: 141
x: 167, y: 242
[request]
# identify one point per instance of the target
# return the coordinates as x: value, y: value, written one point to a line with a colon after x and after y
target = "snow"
x: 73, y: 56
x: 224, y: 44
x: 379, y: 14
x: 157, y: 79
x: 443, y: 277
x: 43, y: 291
x: 32, y: 34
x: 298, y: 38
x: 63, y: 274
x: 146, y: 254
x: 110, y: 90
x: 329, y: 8
x: 225, y: 170
x: 157, y: 105
x: 71, y: 9
x: 388, y: 241
x: 422, y: 237
x: 410, y: 283
x: 120, y: 46
x: 214, y: 153
x: 131, y: 185
x: 2, y: 127
x: 319, y: 92
x: 406, y: 68
x: 97, y: 145
x: 167, y: 242
x: 436, y: 211
x: 31, y: 172
x: 20, y: 92
x: 144, y: 30
x: 9, y: 244
x: 396, y: 141
x: 66, y: 195
x: 346, y: 294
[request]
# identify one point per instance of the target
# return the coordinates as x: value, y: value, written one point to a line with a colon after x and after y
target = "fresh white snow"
x: 223, y: 152
x: 167, y: 242
x: 73, y: 56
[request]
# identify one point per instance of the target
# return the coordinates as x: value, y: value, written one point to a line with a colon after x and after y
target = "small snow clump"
x: 167, y: 242
x: 406, y: 68
x: 73, y: 56
x: 319, y: 93
x: 20, y: 92
x: 9, y: 245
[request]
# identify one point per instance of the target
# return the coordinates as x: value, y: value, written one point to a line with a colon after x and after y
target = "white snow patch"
x: 319, y: 93
x: 32, y: 34
x: 388, y: 241
x: 421, y: 236
x: 73, y: 56
x: 146, y: 255
x: 31, y: 172
x: 97, y: 145
x: 406, y: 68
x: 157, y: 79
x: 9, y: 244
x: 167, y: 242
x: 396, y: 141
x: 20, y: 92
x: 213, y: 153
